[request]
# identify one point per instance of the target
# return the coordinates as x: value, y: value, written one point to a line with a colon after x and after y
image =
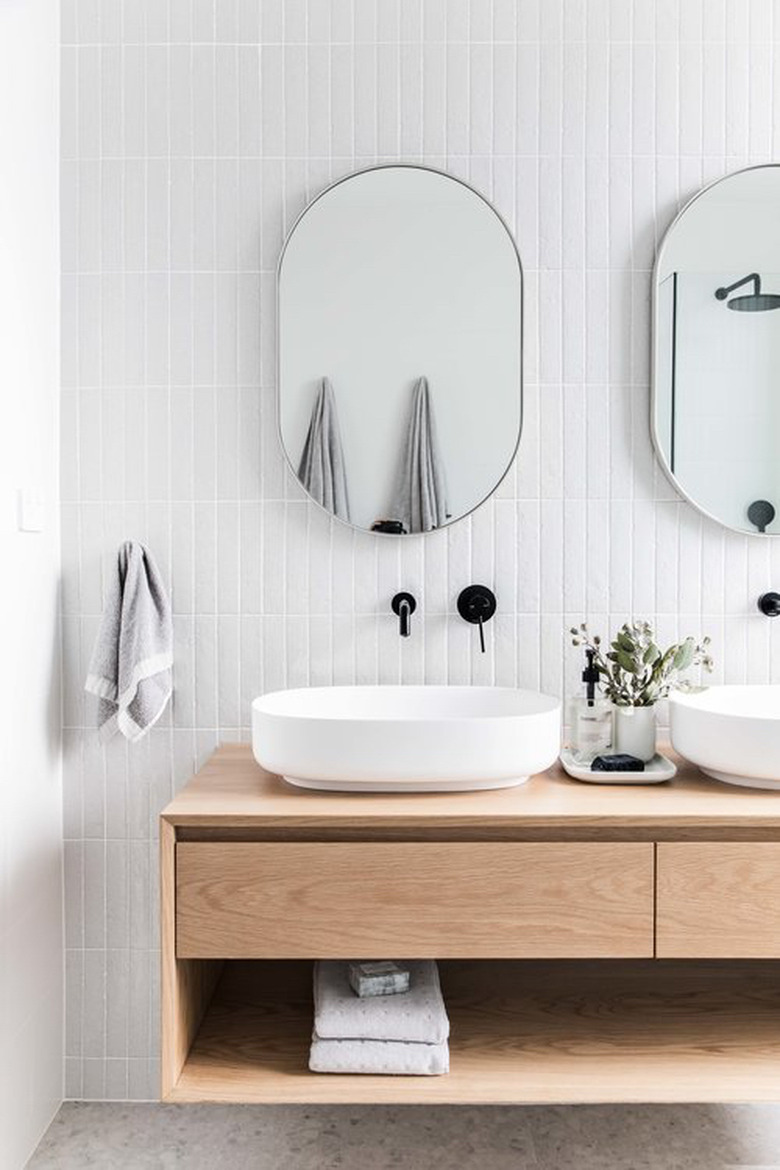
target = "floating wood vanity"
x: 596, y: 943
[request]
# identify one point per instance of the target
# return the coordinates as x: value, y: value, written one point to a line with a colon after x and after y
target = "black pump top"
x: 590, y: 676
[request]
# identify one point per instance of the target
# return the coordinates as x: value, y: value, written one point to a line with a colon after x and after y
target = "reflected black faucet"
x: 761, y: 513
x: 404, y: 605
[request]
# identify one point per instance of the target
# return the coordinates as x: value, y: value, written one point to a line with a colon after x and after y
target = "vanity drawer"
x: 413, y: 900
x: 718, y: 900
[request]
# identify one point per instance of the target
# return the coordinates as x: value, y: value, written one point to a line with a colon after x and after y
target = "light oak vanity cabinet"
x: 426, y: 899
x: 596, y: 943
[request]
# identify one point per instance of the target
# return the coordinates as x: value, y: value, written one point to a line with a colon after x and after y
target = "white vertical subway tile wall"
x: 194, y: 132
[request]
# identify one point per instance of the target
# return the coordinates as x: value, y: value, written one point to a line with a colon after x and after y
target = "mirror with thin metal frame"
x: 400, y: 349
x: 716, y: 351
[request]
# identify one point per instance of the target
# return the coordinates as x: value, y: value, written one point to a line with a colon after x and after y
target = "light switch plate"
x: 29, y: 510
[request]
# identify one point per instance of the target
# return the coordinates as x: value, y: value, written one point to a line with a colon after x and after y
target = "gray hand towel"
x: 321, y: 469
x: 420, y: 494
x: 379, y: 1057
x: 130, y: 670
x: 418, y: 1016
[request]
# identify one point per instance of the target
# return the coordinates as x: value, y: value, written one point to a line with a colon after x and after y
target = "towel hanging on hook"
x: 131, y: 666
x: 321, y: 470
x: 420, y: 499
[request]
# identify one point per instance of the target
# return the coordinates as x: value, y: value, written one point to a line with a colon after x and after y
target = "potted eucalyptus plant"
x: 635, y: 673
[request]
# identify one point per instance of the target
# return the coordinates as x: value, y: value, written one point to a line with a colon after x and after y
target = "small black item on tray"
x: 394, y: 527
x: 617, y: 763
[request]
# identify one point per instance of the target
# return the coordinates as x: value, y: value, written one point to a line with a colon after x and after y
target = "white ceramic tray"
x: 657, y: 771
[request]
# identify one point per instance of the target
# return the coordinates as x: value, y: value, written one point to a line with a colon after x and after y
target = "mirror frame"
x: 659, y: 453
x: 520, y: 388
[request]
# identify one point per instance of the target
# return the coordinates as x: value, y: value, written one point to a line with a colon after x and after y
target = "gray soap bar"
x: 378, y: 978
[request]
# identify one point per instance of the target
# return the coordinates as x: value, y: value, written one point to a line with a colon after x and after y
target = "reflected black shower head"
x: 755, y: 302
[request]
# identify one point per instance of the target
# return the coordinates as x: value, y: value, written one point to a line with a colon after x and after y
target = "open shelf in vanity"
x: 522, y: 1032
x: 535, y: 1017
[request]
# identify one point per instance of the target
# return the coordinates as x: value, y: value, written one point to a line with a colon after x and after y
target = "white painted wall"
x: 31, y: 932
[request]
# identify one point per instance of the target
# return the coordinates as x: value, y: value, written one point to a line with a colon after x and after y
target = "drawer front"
x: 718, y: 900
x: 413, y: 900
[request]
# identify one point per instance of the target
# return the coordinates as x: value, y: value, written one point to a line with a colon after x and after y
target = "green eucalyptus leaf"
x: 626, y: 662
x: 667, y: 658
x: 684, y: 655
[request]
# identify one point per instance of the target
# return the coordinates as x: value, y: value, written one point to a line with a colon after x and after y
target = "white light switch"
x: 29, y: 510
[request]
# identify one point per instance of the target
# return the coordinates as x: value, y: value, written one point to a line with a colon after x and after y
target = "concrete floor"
x: 191, y: 1137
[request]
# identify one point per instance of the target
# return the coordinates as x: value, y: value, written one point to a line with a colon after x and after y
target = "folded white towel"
x: 417, y: 1016
x: 130, y: 670
x: 380, y: 1057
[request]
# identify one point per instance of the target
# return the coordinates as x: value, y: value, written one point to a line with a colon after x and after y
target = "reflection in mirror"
x: 400, y: 316
x: 716, y: 409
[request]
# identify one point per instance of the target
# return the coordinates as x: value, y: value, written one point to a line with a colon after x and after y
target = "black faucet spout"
x: 403, y: 606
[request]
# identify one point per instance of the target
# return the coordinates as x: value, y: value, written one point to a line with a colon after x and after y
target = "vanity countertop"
x: 232, y: 792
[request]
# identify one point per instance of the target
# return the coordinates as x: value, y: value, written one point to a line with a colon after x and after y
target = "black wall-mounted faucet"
x: 477, y: 604
x: 404, y: 605
x: 769, y: 604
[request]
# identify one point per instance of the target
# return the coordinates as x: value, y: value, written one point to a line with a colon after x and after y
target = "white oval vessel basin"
x: 405, y: 739
x: 731, y: 732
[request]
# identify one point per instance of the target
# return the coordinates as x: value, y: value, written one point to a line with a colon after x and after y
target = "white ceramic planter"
x: 635, y: 732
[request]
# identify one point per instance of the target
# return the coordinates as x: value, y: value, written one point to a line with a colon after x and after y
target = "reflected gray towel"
x: 420, y: 501
x: 130, y: 670
x: 321, y: 469
x: 417, y: 1015
x: 380, y: 1057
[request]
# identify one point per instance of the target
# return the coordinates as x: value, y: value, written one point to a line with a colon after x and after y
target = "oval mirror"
x: 400, y: 344
x: 716, y: 407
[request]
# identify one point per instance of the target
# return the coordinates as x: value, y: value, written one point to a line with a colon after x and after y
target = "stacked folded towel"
x: 402, y: 1035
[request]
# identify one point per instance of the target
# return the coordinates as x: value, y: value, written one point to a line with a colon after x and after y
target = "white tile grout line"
x: 78, y: 648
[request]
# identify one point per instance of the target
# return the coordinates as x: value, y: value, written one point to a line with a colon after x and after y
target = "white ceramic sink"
x: 406, y: 739
x: 732, y: 733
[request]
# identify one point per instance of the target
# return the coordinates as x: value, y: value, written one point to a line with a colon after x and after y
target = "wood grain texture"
x: 261, y: 900
x: 285, y: 872
x: 521, y: 1033
x: 232, y: 793
x: 718, y: 900
x: 186, y: 986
